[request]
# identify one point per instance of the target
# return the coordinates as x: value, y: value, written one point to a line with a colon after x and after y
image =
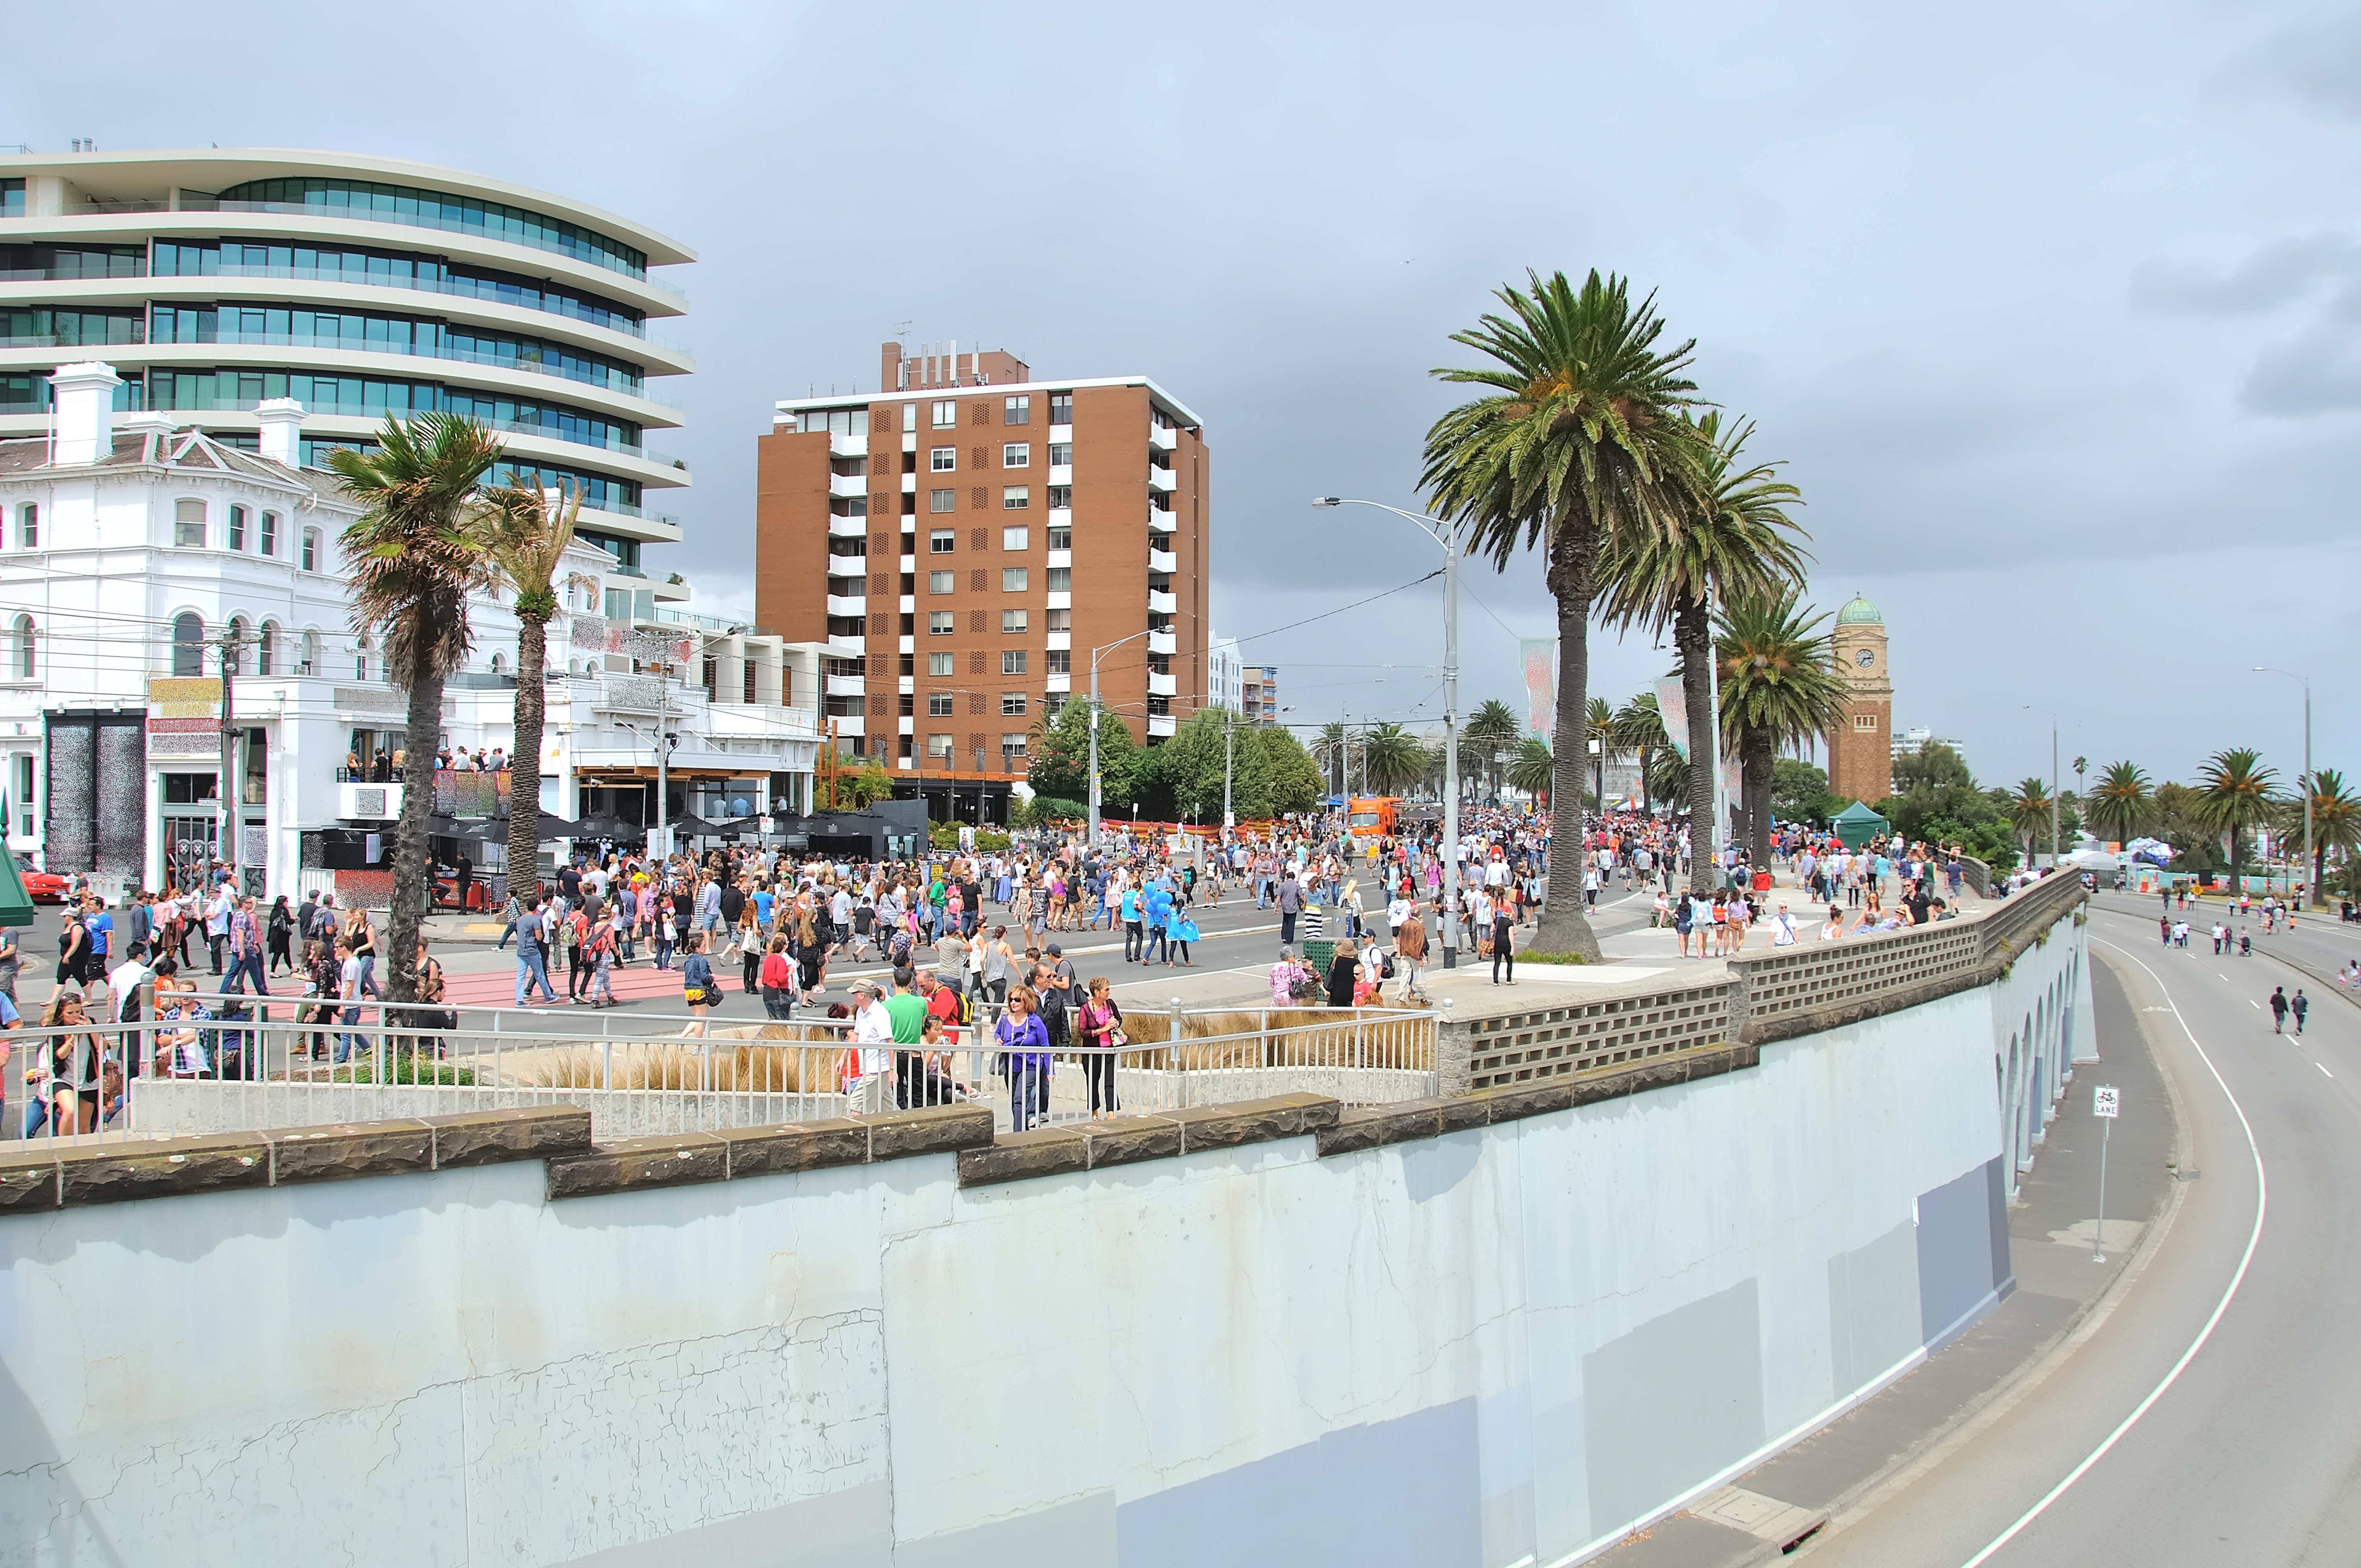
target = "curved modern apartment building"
x: 214, y: 280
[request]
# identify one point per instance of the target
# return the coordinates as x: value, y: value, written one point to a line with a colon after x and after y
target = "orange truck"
x: 1372, y: 816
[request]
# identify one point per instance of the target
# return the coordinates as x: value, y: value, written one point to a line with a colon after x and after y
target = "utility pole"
x: 2310, y: 892
x: 1096, y: 711
x: 663, y: 842
x: 1450, y: 747
x: 227, y: 850
x: 1229, y: 729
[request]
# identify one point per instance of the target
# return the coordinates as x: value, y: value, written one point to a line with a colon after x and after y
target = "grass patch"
x: 402, y: 1070
x: 1533, y: 957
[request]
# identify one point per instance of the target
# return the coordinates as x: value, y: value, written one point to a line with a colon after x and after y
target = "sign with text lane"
x: 2105, y: 1100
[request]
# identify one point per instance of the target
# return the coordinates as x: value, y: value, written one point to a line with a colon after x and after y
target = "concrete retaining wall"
x: 1504, y: 1344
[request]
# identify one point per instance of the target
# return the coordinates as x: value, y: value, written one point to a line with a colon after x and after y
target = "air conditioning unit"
x: 369, y: 802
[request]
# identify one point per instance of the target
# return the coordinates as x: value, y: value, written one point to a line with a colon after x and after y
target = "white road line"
x: 2254, y: 1238
x: 2324, y: 1070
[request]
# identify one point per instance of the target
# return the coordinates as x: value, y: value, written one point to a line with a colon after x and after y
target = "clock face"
x: 1865, y: 658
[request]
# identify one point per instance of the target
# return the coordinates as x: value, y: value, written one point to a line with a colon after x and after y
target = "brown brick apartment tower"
x: 1861, y: 754
x: 964, y: 542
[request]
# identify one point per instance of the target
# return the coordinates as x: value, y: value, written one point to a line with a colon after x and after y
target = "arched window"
x: 23, y: 662
x: 187, y: 644
x: 266, y: 649
x: 361, y: 657
x: 311, y: 656
x: 28, y: 527
x: 499, y: 666
x: 189, y: 524
x: 238, y: 638
x: 310, y: 562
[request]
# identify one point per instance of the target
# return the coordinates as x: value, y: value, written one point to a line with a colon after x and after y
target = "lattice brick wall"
x: 1833, y: 974
x: 1559, y: 1041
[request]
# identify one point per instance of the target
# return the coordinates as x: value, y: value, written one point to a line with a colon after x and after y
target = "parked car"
x: 45, y: 887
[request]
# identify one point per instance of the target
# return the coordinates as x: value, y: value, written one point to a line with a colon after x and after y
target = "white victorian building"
x: 130, y: 546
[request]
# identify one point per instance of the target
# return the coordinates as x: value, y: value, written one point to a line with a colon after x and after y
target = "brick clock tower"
x: 1860, y: 746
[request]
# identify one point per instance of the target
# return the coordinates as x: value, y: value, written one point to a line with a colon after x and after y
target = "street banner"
x: 1538, y: 656
x: 1675, y: 709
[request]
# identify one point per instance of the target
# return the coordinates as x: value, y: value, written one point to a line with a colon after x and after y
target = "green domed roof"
x: 1858, y: 609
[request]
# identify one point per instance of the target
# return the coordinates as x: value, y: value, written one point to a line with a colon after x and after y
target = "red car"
x: 45, y: 887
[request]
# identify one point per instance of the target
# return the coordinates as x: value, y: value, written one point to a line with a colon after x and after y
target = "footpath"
x: 1790, y: 1498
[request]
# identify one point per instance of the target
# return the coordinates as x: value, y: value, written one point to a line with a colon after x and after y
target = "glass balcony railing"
x: 344, y: 212
x: 456, y: 287
x: 609, y: 381
x: 377, y: 411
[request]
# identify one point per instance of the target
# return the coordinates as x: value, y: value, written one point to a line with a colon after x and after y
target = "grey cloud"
x: 2318, y: 373
x: 2316, y: 62
x: 2279, y: 273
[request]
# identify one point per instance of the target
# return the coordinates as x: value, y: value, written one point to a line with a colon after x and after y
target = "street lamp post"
x: 1450, y: 709
x: 1095, y: 653
x: 2312, y: 890
x: 2053, y: 782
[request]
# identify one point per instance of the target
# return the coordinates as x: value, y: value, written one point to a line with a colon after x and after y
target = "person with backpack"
x: 697, y: 990
x: 600, y: 945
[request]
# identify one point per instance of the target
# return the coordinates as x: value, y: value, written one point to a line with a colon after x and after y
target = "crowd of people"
x: 969, y: 940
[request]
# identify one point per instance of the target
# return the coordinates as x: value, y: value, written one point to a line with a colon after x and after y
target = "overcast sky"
x: 2055, y: 312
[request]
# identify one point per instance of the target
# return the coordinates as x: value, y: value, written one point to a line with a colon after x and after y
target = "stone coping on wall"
x: 37, y: 1178
x: 560, y: 1135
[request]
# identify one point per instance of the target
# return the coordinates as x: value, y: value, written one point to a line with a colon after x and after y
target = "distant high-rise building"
x: 1258, y: 686
x: 1224, y: 675
x: 965, y: 541
x: 1910, y: 742
x: 1861, y: 762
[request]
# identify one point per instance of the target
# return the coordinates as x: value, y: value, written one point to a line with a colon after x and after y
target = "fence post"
x: 1179, y: 1061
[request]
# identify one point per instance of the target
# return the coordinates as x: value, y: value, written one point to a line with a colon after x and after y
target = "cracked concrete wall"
x: 1414, y: 1354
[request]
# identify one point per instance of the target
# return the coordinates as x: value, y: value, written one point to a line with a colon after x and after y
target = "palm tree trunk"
x: 1564, y: 928
x: 523, y: 859
x: 1758, y: 756
x: 1692, y: 638
x: 423, y: 733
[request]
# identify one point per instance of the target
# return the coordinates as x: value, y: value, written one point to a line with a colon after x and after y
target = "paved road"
x: 2211, y: 1418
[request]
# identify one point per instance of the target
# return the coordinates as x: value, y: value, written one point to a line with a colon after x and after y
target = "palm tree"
x: 416, y: 555
x: 2335, y: 822
x: 527, y: 537
x: 2121, y: 803
x: 1535, y: 770
x: 1333, y: 750
x: 2233, y: 791
x: 1491, y: 730
x: 1579, y: 439
x: 1599, y: 726
x: 1729, y: 543
x: 2029, y: 810
x: 1779, y: 686
x: 1392, y: 759
x: 1639, y: 729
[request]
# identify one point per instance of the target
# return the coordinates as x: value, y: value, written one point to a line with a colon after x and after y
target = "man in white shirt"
x: 217, y: 913
x: 873, y: 1039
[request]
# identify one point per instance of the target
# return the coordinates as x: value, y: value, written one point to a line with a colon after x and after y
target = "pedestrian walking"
x: 2279, y: 1006
x: 2298, y: 1006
